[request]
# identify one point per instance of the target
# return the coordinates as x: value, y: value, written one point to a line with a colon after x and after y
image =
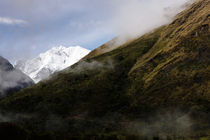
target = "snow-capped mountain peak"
x: 55, y: 59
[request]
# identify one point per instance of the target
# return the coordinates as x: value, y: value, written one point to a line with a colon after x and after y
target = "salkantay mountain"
x: 55, y: 59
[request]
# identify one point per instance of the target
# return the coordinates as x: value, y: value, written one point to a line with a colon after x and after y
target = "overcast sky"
x: 29, y: 27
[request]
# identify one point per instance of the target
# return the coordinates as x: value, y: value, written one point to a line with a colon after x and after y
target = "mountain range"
x: 55, y: 59
x: 156, y: 86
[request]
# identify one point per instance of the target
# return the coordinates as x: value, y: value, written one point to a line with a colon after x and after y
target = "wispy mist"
x: 133, y: 18
x: 169, y: 124
x: 12, y: 80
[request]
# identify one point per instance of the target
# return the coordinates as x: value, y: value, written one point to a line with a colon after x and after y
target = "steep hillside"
x: 11, y: 80
x: 157, y: 86
x: 182, y: 53
x: 107, y: 47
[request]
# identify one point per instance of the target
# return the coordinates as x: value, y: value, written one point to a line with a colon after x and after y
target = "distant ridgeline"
x: 155, y: 87
x: 11, y: 80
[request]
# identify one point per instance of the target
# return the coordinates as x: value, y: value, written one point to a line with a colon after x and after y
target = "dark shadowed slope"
x: 11, y: 80
x: 155, y: 86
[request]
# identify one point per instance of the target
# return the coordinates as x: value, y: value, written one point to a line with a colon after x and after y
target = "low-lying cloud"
x: 93, y: 65
x: 11, y: 79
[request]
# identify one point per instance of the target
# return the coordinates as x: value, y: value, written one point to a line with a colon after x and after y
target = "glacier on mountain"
x: 55, y: 59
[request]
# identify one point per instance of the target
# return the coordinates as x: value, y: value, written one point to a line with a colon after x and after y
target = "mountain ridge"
x: 157, y: 87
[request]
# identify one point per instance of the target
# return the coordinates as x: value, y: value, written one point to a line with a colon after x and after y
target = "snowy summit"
x: 55, y: 59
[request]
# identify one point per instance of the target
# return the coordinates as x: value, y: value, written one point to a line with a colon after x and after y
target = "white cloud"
x: 11, y: 21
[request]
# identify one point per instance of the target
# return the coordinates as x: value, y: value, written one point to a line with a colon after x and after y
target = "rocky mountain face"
x: 11, y: 79
x: 155, y: 87
x: 55, y: 59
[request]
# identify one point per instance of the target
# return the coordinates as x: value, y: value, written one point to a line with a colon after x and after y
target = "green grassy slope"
x: 157, y: 85
x: 179, y: 61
